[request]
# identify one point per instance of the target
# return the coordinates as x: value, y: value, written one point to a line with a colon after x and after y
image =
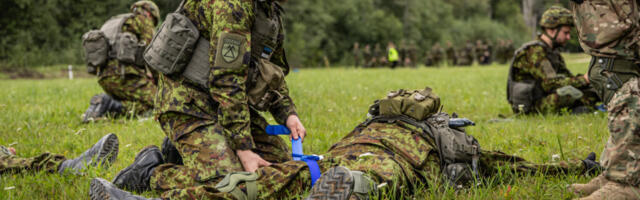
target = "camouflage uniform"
x: 44, y: 162
x: 465, y: 55
x: 614, y: 73
x: 127, y: 83
x: 395, y: 154
x: 539, y: 62
x: 436, y: 54
x: 207, y: 126
x: 451, y: 55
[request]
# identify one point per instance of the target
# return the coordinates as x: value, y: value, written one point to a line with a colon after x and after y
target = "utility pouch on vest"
x: 96, y: 50
x: 172, y: 47
x: 127, y: 48
x: 265, y: 79
x: 521, y: 98
x: 198, y: 68
x: 417, y: 104
x: 570, y: 91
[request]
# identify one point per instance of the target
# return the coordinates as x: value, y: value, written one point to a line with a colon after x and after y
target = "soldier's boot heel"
x: 137, y: 175
x: 339, y: 183
x: 101, y: 189
x: 590, y: 187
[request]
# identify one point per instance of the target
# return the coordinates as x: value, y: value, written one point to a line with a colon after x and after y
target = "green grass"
x: 44, y: 115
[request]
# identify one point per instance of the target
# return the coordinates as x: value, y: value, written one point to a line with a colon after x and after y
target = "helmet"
x: 148, y: 6
x: 556, y: 16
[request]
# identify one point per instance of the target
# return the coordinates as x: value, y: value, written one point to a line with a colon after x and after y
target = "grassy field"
x: 44, y: 115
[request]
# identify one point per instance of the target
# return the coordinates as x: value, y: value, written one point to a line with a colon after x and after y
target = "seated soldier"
x: 539, y: 80
x: 404, y: 143
x: 103, y: 153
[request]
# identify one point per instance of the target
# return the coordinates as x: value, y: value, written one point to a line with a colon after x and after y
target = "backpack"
x: 110, y: 42
x: 458, y: 151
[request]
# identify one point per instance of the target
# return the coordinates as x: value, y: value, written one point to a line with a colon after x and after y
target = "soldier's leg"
x: 492, y: 162
x: 271, y: 148
x: 44, y: 162
x: 621, y: 156
x: 554, y: 103
x: 590, y: 97
x: 206, y: 155
x: 135, y: 91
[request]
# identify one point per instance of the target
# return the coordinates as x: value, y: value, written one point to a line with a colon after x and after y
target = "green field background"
x: 44, y: 115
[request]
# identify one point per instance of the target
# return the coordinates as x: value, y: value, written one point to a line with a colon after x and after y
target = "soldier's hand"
x: 12, y: 150
x: 586, y: 77
x: 296, y: 128
x: 250, y: 160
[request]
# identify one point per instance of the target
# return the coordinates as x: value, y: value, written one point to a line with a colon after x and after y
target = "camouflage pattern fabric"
x: 394, y: 154
x: 44, y: 162
x: 556, y: 16
x: 451, y: 55
x: 208, y: 126
x: 547, y: 67
x: 436, y: 54
x: 620, y: 157
x: 127, y: 83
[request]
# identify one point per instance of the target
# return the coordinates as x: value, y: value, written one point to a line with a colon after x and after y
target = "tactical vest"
x: 457, y: 150
x: 523, y: 94
x: 179, y: 49
x: 110, y: 42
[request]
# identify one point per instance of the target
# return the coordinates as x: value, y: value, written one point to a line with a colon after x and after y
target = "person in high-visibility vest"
x: 392, y: 57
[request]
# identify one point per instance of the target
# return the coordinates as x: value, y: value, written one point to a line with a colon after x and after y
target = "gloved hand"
x: 591, y: 166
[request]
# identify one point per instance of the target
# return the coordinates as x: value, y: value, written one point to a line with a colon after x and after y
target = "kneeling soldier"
x: 403, y: 144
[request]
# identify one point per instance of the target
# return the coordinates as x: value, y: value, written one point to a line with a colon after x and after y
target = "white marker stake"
x: 70, y: 72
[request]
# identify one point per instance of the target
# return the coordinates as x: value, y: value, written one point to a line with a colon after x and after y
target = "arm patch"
x: 230, y: 50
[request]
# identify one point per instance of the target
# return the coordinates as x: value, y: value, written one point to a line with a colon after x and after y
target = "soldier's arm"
x: 231, y: 25
x: 541, y: 69
x: 285, y: 107
x: 142, y: 27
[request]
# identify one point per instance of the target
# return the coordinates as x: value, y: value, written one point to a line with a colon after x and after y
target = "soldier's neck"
x: 544, y: 38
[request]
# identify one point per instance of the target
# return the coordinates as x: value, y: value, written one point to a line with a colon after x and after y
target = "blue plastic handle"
x: 296, y: 145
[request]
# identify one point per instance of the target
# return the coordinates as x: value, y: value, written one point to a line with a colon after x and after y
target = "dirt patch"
x: 26, y: 73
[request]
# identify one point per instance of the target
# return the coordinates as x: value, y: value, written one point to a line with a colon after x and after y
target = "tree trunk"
x: 530, y: 17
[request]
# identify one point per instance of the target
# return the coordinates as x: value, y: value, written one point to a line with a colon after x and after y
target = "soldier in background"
x: 436, y: 54
x: 378, y: 56
x: 451, y: 54
x: 412, y: 55
x: 357, y: 55
x: 465, y: 55
x: 129, y: 85
x: 367, y: 56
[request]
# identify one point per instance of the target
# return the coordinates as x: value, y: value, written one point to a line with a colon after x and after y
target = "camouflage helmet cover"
x: 148, y: 6
x: 556, y: 16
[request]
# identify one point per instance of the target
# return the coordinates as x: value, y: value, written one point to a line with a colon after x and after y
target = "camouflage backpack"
x: 458, y: 151
x: 110, y: 42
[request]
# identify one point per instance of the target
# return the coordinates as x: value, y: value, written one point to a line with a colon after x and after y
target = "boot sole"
x: 98, y: 190
x: 335, y: 184
x: 90, y: 113
x: 109, y: 151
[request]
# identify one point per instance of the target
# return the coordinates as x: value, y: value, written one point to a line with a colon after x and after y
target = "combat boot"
x: 136, y: 176
x: 339, y: 183
x: 170, y: 153
x: 591, y: 166
x: 104, y: 190
x: 103, y: 153
x: 614, y: 190
x: 100, y: 105
x: 586, y: 189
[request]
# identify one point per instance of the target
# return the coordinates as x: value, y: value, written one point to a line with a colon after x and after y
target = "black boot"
x: 100, y: 105
x: 136, y: 176
x: 170, y: 153
x: 591, y: 166
x: 103, y: 190
x: 103, y: 153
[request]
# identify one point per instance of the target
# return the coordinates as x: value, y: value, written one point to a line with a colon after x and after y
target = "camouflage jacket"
x: 608, y: 28
x: 226, y: 99
x: 537, y: 61
x: 142, y: 27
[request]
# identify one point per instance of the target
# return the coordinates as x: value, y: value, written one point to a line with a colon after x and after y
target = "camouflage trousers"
x: 207, y: 155
x: 44, y: 162
x: 554, y: 103
x: 135, y: 90
x: 291, y: 178
x: 621, y: 156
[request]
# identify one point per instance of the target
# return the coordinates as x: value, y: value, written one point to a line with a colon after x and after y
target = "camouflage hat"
x: 556, y: 16
x: 148, y: 6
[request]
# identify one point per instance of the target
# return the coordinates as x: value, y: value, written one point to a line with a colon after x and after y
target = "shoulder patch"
x: 230, y: 50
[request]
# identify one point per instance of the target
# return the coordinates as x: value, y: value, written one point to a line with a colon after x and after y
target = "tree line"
x: 48, y: 32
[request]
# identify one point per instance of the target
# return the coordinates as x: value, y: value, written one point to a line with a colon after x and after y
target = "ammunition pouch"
x: 607, y: 75
x: 573, y: 93
x: 265, y: 79
x: 178, y: 48
x: 521, y: 96
x: 96, y: 50
x: 128, y: 50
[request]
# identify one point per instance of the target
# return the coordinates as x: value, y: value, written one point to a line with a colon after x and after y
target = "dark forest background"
x: 47, y: 32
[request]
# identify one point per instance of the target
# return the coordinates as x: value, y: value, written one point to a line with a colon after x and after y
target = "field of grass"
x: 44, y: 115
